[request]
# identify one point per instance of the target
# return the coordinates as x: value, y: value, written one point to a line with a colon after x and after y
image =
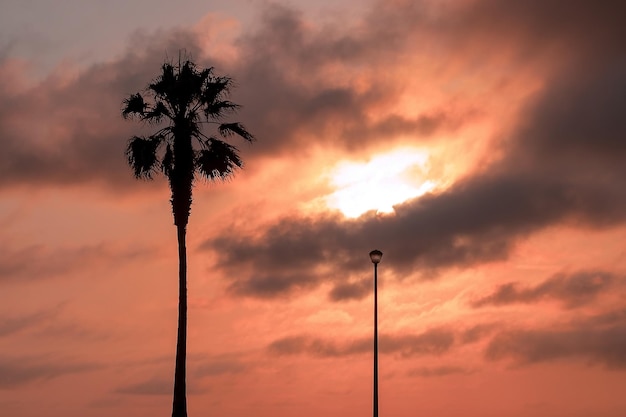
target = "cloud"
x: 478, y: 332
x: 351, y: 290
x: 439, y: 371
x: 151, y: 386
x: 221, y: 365
x: 475, y: 221
x: 572, y: 290
x: 41, y: 262
x: 157, y: 386
x: 600, y: 339
x: 18, y: 371
x: 200, y: 367
x: 561, y: 161
x: 79, y: 136
x: 430, y: 342
x: 10, y: 325
x: 326, y: 79
x: 337, y: 84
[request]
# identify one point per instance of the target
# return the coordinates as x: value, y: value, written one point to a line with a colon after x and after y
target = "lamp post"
x: 375, y: 256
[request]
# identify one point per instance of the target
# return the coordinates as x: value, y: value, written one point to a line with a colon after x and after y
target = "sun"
x: 380, y: 183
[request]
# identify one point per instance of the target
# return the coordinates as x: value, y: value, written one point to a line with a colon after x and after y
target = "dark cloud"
x: 159, y: 386
x: 50, y: 323
x: 606, y: 346
x: 200, y: 367
x: 78, y: 136
x: 439, y: 371
x: 475, y: 221
x: 431, y: 342
x: 229, y: 364
x: 15, y: 324
x: 311, y: 80
x: 40, y: 262
x: 478, y: 332
x: 270, y: 286
x: 597, y: 339
x: 572, y: 290
x: 562, y: 161
x: 290, y: 84
x: 18, y: 371
x: 152, y: 386
x: 285, y: 83
x: 351, y: 290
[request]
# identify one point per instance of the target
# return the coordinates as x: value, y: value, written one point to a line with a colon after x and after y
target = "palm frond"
x: 142, y: 155
x: 219, y: 161
x: 157, y: 113
x: 180, y: 96
x: 215, y: 110
x: 165, y: 83
x: 133, y: 106
x: 190, y: 82
x: 215, y: 89
x: 229, y: 129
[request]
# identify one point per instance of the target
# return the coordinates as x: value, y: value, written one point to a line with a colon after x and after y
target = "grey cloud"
x: 220, y: 366
x: 525, y: 347
x: 10, y: 325
x: 439, y: 371
x: 317, y: 103
x: 158, y: 385
x: 563, y: 161
x: 270, y: 286
x: 572, y: 290
x: 79, y: 136
x: 431, y: 342
x: 50, y: 323
x: 351, y: 290
x: 475, y: 221
x: 151, y: 386
x: 478, y: 332
x: 201, y: 367
x: 597, y: 339
x: 18, y: 371
x: 40, y: 262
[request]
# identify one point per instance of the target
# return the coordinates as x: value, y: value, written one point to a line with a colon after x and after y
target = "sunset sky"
x: 479, y: 144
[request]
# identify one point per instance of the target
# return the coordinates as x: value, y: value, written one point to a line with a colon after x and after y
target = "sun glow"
x: 380, y: 183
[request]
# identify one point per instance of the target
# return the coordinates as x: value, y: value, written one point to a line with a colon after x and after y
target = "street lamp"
x: 375, y: 256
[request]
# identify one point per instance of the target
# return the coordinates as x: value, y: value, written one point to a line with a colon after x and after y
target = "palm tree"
x: 186, y: 99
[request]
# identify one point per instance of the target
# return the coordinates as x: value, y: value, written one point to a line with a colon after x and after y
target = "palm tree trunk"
x: 179, y: 408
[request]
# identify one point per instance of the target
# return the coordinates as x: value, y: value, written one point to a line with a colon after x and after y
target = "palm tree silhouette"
x: 186, y: 99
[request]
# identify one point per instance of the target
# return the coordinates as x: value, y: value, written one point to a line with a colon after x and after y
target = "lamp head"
x: 375, y: 256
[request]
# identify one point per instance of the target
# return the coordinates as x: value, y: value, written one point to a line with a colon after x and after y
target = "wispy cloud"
x: 18, y: 371
x: 17, y: 323
x: 41, y: 261
x: 599, y: 339
x: 439, y: 371
x: 431, y: 342
x: 572, y: 290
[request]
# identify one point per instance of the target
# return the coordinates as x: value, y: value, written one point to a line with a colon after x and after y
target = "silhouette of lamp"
x: 375, y: 256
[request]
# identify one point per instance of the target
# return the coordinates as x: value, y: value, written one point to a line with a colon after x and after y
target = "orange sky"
x: 495, y: 129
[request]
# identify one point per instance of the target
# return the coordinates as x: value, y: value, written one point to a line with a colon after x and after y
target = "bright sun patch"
x: 380, y: 183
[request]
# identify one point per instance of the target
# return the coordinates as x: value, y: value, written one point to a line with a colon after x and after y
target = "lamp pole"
x: 375, y: 257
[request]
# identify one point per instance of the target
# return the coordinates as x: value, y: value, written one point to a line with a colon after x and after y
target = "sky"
x: 479, y: 144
